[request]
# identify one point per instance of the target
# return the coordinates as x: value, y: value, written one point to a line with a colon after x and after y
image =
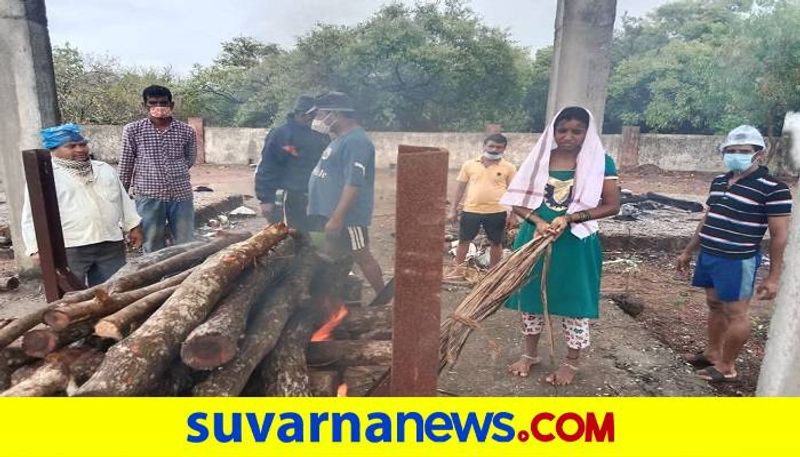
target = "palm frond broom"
x: 490, y: 294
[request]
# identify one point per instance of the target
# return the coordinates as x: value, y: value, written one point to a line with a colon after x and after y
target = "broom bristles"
x: 487, y: 297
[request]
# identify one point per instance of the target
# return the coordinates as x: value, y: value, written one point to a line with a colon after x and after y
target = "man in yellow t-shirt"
x: 485, y: 179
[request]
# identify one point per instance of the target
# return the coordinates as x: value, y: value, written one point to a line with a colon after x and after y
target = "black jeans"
x: 295, y: 205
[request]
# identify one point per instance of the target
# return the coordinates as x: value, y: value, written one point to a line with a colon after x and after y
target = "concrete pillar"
x: 581, y: 56
x: 27, y: 99
x: 198, y: 124
x: 629, y: 155
x: 780, y: 369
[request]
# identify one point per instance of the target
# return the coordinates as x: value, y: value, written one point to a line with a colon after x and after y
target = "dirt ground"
x: 629, y: 356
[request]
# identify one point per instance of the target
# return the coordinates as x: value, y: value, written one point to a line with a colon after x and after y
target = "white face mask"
x: 322, y: 125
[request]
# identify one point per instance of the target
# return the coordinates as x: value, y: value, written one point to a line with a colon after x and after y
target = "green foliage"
x: 427, y: 67
x: 706, y: 66
x: 690, y: 66
x: 97, y: 90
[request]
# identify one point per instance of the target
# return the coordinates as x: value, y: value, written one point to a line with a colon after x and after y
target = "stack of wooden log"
x: 234, y: 316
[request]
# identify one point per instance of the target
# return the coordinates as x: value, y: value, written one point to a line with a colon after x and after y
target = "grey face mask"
x: 492, y: 155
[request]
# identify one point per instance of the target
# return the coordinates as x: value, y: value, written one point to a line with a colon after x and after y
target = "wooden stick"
x: 216, y: 341
x: 49, y: 379
x: 369, y: 323
x: 132, y: 365
x: 118, y: 325
x: 349, y: 353
x: 22, y: 324
x: 361, y: 379
x: 150, y: 258
x: 545, y: 308
x: 285, y: 370
x: 178, y: 262
x: 40, y: 342
x: 15, y: 356
x: 8, y: 283
x: 5, y: 372
x: 262, y: 335
x: 19, y: 326
x: 104, y: 304
x: 324, y: 383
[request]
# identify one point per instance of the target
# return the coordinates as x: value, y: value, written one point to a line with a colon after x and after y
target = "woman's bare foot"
x: 523, y: 366
x: 563, y: 376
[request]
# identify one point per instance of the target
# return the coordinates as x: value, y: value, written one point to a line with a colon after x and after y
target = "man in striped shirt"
x: 157, y: 153
x: 742, y: 205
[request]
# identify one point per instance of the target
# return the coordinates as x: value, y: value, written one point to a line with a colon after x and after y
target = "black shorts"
x: 493, y: 224
x: 352, y: 237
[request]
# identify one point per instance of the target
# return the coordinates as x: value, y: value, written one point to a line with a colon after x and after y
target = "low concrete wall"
x: 463, y: 146
x: 105, y: 141
x: 681, y: 152
x: 241, y: 146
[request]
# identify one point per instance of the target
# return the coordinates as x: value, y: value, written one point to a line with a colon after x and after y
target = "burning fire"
x: 326, y: 331
x: 342, y: 390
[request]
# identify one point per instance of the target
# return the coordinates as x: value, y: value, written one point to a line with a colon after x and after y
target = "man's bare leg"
x: 495, y: 254
x: 529, y: 358
x: 737, y: 334
x: 369, y: 268
x: 718, y: 323
x: 461, y: 252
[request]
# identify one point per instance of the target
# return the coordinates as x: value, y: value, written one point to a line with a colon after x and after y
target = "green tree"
x: 225, y: 91
x: 706, y: 66
x: 98, y: 90
x: 426, y: 67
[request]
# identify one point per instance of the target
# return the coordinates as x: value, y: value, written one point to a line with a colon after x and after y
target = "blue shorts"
x: 731, y: 279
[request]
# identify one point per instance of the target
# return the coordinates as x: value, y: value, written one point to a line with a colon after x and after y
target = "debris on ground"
x: 242, y: 211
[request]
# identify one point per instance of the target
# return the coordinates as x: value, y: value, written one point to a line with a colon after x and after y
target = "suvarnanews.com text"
x: 400, y: 427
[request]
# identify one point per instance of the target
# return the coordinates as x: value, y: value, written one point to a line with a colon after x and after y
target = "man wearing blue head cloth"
x: 95, y: 210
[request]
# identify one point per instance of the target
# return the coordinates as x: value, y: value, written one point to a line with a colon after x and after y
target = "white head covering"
x: 527, y: 187
x: 743, y: 134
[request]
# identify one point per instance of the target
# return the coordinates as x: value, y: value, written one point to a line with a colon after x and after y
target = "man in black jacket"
x: 291, y: 151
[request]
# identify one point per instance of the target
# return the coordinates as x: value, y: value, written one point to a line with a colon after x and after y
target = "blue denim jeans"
x: 93, y: 264
x: 162, y: 217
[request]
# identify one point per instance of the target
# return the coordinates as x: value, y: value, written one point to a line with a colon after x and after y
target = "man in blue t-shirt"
x: 341, y: 189
x: 742, y: 205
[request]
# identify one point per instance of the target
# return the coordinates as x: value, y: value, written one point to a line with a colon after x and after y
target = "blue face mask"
x: 738, y: 162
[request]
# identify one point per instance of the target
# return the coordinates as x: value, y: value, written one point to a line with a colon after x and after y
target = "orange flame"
x: 326, y: 331
x: 342, y: 390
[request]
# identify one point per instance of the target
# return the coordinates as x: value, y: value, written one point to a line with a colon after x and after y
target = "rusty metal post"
x: 419, y: 228
x: 47, y: 223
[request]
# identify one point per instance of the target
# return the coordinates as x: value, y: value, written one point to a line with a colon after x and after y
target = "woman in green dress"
x: 565, y: 184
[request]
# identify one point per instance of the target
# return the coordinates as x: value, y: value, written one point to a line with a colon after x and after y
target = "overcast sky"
x: 179, y: 33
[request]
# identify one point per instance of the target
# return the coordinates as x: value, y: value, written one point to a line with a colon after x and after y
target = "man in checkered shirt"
x: 157, y: 152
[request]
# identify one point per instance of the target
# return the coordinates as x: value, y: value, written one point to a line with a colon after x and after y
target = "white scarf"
x: 527, y: 187
x: 80, y: 169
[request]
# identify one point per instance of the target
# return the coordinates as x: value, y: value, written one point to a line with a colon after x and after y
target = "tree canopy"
x: 690, y: 66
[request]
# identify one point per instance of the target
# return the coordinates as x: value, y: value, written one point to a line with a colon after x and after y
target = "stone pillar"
x: 629, y: 155
x: 780, y: 369
x: 198, y: 124
x: 581, y: 56
x: 27, y: 100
